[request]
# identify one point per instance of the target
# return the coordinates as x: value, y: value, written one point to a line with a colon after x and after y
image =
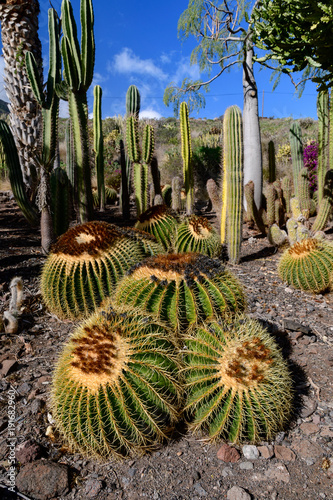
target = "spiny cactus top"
x: 238, y: 384
x: 115, y: 387
x: 181, y: 288
x: 308, y: 265
x: 196, y: 234
x: 85, y: 264
x: 160, y: 222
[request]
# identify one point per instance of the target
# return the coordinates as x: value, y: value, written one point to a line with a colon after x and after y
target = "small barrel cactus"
x: 238, y: 385
x: 85, y: 264
x: 160, y: 222
x: 115, y: 388
x: 196, y: 234
x: 181, y: 288
x: 308, y: 265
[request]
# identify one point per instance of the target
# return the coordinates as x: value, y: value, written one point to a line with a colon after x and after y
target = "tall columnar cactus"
x: 140, y: 159
x: 271, y: 162
x: 159, y: 221
x: 233, y: 173
x: 196, y: 234
x: 176, y: 200
x: 238, y: 385
x: 185, y: 134
x: 133, y: 101
x: 115, y: 388
x: 85, y: 264
x: 286, y: 193
x: 98, y: 145
x: 78, y: 73
x: 296, y: 146
x: 323, y: 137
x: 12, y: 162
x: 304, y: 192
x: 60, y: 200
x: 308, y: 265
x: 182, y: 289
x: 326, y: 204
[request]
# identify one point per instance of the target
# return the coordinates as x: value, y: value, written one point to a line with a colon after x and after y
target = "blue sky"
x: 137, y: 43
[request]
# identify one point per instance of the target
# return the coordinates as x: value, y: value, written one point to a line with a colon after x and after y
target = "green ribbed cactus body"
x: 133, y: 101
x: 286, y: 193
x: 60, y: 200
x: 196, y: 234
x: 181, y: 289
x: 296, y: 146
x: 326, y: 204
x: 185, y: 134
x: 160, y: 222
x: 304, y: 192
x: 84, y: 266
x: 115, y: 388
x: 237, y: 383
x: 271, y: 196
x: 308, y: 265
x: 99, y: 145
x: 232, y: 202
x: 323, y: 138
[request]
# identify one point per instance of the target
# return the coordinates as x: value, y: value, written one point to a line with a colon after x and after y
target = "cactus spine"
x: 78, y: 74
x: 115, y: 389
x: 326, y: 204
x: 304, y: 192
x: 196, y: 234
x: 15, y: 174
x: 323, y: 127
x: 238, y: 385
x: 185, y: 134
x: 232, y: 200
x: 98, y: 145
x: 296, y: 146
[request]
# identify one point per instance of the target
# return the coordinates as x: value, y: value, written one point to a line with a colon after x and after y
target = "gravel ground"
x: 297, y: 465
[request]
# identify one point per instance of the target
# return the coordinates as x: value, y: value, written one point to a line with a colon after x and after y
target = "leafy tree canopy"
x: 297, y: 36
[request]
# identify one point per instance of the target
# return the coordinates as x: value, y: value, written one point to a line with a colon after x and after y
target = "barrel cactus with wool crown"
x: 181, y: 289
x: 115, y: 388
x: 238, y: 385
x: 196, y: 234
x: 85, y: 264
x: 308, y: 265
x: 159, y: 221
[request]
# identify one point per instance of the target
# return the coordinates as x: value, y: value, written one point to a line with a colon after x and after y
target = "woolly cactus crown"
x: 181, y: 288
x: 238, y: 385
x: 196, y: 234
x: 115, y: 387
x: 308, y: 265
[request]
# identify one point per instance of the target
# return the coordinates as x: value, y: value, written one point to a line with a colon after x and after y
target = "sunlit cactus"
x: 115, y: 388
x: 238, y: 385
x: 159, y: 221
x: 196, y: 234
x: 308, y: 265
x: 181, y: 289
x: 84, y: 266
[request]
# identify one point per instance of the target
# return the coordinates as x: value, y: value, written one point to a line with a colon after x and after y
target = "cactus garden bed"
x: 297, y: 464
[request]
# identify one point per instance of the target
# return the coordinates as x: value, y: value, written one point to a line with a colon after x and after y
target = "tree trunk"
x: 251, y: 128
x: 19, y: 32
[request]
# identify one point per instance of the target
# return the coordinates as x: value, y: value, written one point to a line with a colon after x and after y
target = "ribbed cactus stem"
x: 15, y: 174
x: 271, y: 196
x: 60, y: 189
x: 233, y: 181
x: 186, y: 149
x: 323, y: 128
x: 304, y: 192
x: 148, y: 143
x: 271, y: 162
x: 296, y: 146
x: 98, y: 145
x: 132, y: 101
x: 140, y: 176
x: 286, y: 192
x: 292, y: 225
x: 176, y: 202
x: 132, y: 138
x: 326, y: 204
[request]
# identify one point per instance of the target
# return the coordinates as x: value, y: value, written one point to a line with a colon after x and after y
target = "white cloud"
x: 185, y: 70
x: 150, y: 113
x: 127, y: 62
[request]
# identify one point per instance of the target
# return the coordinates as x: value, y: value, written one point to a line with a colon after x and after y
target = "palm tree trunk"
x: 19, y: 33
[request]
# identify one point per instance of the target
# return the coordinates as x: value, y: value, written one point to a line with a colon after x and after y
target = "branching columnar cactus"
x: 12, y: 161
x: 115, y: 388
x: 196, y: 234
x: 160, y: 222
x: 181, y: 289
x: 185, y: 134
x: 308, y: 265
x: 140, y: 159
x: 84, y: 266
x: 296, y: 146
x: 238, y: 385
x: 233, y: 173
x: 99, y: 146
